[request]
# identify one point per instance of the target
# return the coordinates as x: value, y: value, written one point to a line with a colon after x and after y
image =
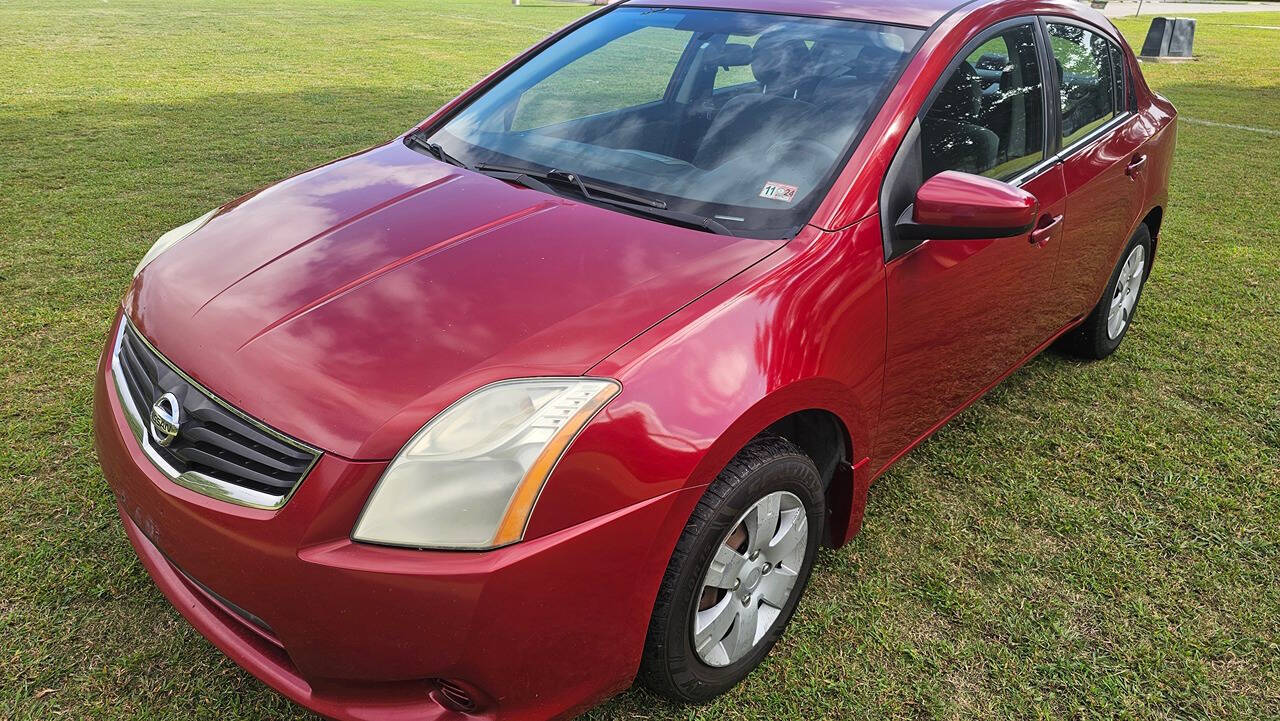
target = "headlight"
x: 470, y: 477
x: 167, y: 240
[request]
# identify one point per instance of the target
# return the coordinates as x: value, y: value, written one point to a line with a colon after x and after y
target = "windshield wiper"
x: 539, y: 180
x: 587, y: 188
x: 418, y: 139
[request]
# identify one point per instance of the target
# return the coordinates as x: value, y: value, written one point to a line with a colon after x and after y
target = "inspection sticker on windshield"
x: 779, y: 191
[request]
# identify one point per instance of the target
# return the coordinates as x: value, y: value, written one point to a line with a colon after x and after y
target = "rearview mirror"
x: 734, y: 55
x: 959, y: 206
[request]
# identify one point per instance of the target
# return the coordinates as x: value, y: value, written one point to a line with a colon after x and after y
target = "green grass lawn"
x: 1090, y: 540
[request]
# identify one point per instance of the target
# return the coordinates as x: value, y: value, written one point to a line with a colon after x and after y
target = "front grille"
x: 217, y: 450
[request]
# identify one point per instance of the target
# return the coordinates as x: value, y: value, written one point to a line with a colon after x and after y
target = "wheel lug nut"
x: 767, y: 568
x: 755, y: 555
x: 736, y: 583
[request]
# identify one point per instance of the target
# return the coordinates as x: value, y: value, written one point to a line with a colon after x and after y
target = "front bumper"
x: 536, y: 630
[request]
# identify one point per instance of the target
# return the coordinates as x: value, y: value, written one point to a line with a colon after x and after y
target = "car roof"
x: 921, y: 13
x: 918, y: 13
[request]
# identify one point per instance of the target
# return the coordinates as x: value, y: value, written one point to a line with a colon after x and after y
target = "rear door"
x: 962, y: 313
x: 1103, y: 166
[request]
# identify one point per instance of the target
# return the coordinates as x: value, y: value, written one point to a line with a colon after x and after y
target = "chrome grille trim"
x: 197, y: 481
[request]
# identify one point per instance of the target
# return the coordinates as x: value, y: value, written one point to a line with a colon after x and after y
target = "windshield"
x: 734, y: 116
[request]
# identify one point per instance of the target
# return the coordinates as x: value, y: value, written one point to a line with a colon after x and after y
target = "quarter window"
x: 1117, y: 76
x: 988, y: 117
x: 1086, y: 86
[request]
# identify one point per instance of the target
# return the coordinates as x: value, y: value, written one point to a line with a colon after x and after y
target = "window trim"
x: 1041, y: 55
x: 1121, y: 116
x: 1118, y: 63
x: 1052, y: 109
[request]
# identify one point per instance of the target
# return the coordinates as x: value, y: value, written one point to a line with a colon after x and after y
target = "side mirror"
x: 959, y: 206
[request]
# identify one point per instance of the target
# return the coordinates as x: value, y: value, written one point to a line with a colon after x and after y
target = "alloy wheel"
x: 1126, y: 294
x: 752, y: 576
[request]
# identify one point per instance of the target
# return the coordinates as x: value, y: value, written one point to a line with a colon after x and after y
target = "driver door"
x: 962, y: 313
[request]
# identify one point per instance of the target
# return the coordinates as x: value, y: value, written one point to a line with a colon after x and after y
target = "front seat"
x: 953, y: 137
x: 758, y: 120
x: 843, y: 100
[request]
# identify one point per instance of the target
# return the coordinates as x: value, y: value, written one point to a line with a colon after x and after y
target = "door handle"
x: 1136, y: 165
x: 1047, y: 226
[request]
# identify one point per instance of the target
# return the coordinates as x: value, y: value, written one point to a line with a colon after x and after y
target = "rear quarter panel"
x: 1162, y: 117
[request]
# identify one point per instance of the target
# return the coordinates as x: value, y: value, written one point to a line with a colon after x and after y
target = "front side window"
x: 1086, y: 88
x: 739, y: 117
x: 988, y: 116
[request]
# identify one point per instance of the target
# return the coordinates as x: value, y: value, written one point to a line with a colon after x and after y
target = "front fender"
x: 802, y: 329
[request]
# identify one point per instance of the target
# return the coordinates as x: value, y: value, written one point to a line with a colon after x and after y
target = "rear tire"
x: 760, y: 522
x: 1100, y: 333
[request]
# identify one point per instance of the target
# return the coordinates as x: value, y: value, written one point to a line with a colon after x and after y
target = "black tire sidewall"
x: 693, y: 679
x: 1094, y: 342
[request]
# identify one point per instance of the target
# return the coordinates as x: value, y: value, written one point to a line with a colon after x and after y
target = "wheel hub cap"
x: 752, y: 577
x: 1126, y: 294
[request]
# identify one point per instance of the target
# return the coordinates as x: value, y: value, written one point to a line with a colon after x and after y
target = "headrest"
x: 993, y: 61
x: 778, y: 60
x: 961, y: 97
x: 733, y: 55
x: 829, y: 59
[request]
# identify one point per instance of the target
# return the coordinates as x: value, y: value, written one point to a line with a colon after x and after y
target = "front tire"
x: 737, y: 574
x: 1101, y: 332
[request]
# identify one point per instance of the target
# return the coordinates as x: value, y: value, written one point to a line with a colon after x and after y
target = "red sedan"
x: 564, y: 387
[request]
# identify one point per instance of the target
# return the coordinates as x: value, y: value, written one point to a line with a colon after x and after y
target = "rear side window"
x: 1086, y: 82
x: 988, y: 116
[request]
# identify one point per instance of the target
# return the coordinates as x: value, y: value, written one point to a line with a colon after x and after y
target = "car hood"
x: 347, y: 305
